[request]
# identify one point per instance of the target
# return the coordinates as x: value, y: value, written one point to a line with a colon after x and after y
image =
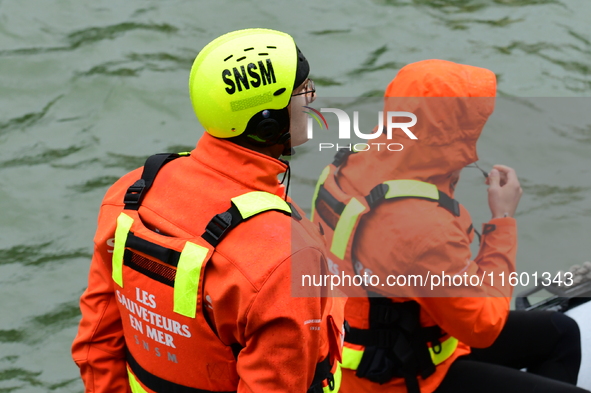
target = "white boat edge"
x: 582, y: 314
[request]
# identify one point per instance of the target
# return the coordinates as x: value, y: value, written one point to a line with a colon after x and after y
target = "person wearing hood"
x: 189, y: 285
x: 392, y: 215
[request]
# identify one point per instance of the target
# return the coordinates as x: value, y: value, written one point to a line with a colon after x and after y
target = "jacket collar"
x: 251, y: 169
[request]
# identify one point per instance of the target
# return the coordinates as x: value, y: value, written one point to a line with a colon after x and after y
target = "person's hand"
x: 504, y: 191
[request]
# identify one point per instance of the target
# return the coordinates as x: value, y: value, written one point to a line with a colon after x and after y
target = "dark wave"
x: 325, y: 81
x: 43, y: 157
x: 94, y: 184
x: 39, y: 254
x: 463, y: 23
x: 335, y: 31
x: 369, y: 65
x: 135, y: 63
x: 464, y: 6
x: 90, y: 35
x: 27, y: 120
x: 41, y: 327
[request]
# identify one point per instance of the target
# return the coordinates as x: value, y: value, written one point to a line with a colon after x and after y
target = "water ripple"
x: 369, y: 65
x: 96, y: 183
x: 522, y: 3
x: 464, y: 6
x: 124, y: 161
x: 45, y: 156
x: 27, y: 120
x: 446, y: 6
x: 462, y: 24
x: 95, y: 34
x: 113, y: 160
x: 325, y: 32
x: 158, y: 62
x: 91, y: 35
x: 324, y: 81
x: 38, y: 254
x: 551, y: 196
x: 577, y: 134
x: 42, y: 327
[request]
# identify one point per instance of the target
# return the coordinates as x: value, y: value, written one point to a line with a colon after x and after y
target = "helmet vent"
x: 271, y: 47
x: 228, y: 58
x: 263, y: 54
x: 247, y: 49
x: 240, y: 59
x: 279, y: 92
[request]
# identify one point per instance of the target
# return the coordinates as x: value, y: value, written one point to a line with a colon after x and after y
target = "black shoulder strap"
x: 222, y: 223
x: 449, y: 204
x: 135, y: 193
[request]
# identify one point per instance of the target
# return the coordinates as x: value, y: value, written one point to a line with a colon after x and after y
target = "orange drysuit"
x: 415, y: 236
x: 247, y: 284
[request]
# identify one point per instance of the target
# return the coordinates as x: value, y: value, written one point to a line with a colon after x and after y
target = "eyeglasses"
x: 475, y: 165
x: 310, y: 89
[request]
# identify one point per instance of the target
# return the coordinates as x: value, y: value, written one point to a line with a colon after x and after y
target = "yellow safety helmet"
x: 243, y: 80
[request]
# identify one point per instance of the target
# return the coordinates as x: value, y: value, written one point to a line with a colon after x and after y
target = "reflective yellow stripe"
x: 337, y: 381
x: 448, y: 347
x: 134, y: 383
x: 344, y: 228
x: 411, y: 188
x: 321, y: 180
x: 256, y: 202
x: 124, y: 223
x: 352, y: 357
x: 186, y: 283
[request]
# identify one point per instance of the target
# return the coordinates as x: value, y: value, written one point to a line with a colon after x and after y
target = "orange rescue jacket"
x: 241, y: 330
x: 415, y: 236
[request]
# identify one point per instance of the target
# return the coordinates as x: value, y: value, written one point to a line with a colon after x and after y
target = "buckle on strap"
x: 449, y: 204
x: 219, y: 225
x: 135, y: 193
x: 377, y: 194
x: 341, y: 156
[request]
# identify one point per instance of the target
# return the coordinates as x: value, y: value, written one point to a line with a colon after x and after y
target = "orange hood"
x: 452, y: 103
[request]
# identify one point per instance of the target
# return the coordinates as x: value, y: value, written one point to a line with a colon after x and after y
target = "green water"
x: 89, y: 89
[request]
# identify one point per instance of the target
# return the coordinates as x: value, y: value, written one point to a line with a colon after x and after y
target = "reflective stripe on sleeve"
x: 186, y: 283
x: 256, y: 202
x: 411, y: 188
x: 344, y: 227
x: 321, y: 180
x: 124, y: 223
